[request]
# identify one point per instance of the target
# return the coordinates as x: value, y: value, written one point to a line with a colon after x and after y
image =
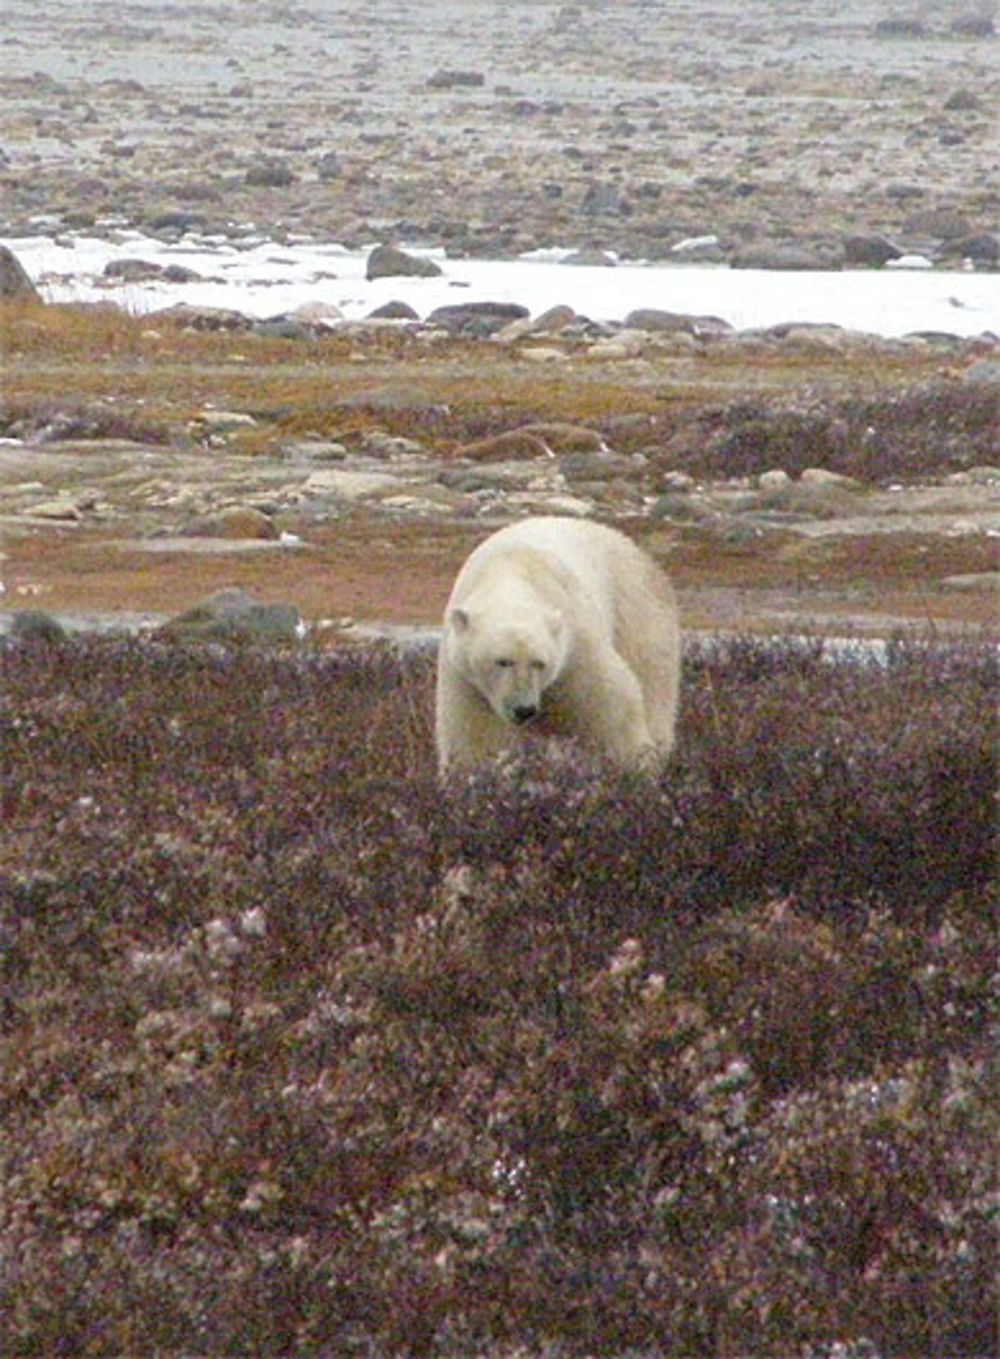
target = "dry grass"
x: 306, y: 1054
x: 721, y: 413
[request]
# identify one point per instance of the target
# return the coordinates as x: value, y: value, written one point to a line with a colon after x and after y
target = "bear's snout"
x: 524, y: 712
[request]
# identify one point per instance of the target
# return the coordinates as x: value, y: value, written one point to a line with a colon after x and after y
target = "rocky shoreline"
x: 744, y: 133
x: 343, y: 466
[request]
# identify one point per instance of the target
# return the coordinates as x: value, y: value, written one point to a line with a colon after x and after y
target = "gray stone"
x: 873, y: 251
x: 34, y: 625
x: 14, y: 280
x: 603, y: 200
x: 653, y: 320
x: 133, y: 271
x: 388, y: 261
x: 453, y: 80
x: 61, y: 509
x: 476, y: 318
x: 345, y: 484
x: 394, y: 311
x: 591, y: 257
x: 282, y: 328
x: 329, y: 167
x: 785, y: 257
x: 236, y: 617
x: 236, y: 522
x: 983, y: 247
x: 269, y: 174
x: 203, y: 318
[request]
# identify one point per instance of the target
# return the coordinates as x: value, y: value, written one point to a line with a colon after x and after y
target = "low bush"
x: 305, y: 1053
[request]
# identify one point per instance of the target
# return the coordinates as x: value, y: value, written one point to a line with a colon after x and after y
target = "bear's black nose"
x: 524, y: 712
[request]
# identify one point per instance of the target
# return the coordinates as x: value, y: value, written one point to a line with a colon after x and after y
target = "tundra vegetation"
x: 304, y: 1052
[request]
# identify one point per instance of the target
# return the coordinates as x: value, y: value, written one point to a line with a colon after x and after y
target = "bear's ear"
x: 460, y: 621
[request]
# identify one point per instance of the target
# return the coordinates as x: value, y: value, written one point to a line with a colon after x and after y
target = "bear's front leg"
x: 468, y: 731
x: 610, y: 710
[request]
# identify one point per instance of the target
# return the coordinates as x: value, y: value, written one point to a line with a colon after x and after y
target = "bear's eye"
x: 538, y: 665
x: 502, y: 663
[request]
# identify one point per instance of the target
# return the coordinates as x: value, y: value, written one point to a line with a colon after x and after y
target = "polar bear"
x: 558, y: 627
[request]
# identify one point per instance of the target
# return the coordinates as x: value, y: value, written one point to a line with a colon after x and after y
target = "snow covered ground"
x: 262, y: 278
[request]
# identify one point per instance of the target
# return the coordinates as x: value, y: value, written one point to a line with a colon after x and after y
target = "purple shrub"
x: 308, y: 1053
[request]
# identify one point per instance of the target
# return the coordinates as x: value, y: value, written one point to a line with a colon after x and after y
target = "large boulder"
x: 234, y: 616
x: 871, y: 251
x: 388, y: 261
x: 14, y: 280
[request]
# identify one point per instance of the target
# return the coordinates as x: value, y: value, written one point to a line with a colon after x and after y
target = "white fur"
x: 558, y: 627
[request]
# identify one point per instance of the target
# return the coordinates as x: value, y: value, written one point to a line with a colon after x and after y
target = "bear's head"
x: 510, y: 662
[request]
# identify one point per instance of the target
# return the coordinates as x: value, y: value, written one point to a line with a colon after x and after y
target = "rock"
x: 453, y: 80
x: 820, y: 476
x: 561, y: 437
x: 270, y: 174
x: 511, y: 445
x: 34, y: 625
x: 394, y: 311
x: 178, y: 220
x: 982, y: 247
x: 604, y: 200
x: 974, y: 25
x: 179, y: 273
x: 282, y: 328
x: 815, y: 338
x: 476, y: 318
x: 61, y: 508
x: 378, y: 444
x: 627, y: 344
x: 235, y: 522
x: 349, y: 485
x: 388, y: 261
x: 873, y: 251
x: 962, y: 101
x: 235, y: 616
x: 775, y: 480
x: 653, y: 320
x: 318, y: 315
x: 680, y: 506
x: 202, y: 318
x: 601, y: 465
x: 329, y: 167
x: 225, y: 422
x: 784, y: 257
x: 14, y: 280
x: 549, y: 322
x: 899, y: 26
x: 591, y: 257
x: 309, y: 451
x: 132, y: 271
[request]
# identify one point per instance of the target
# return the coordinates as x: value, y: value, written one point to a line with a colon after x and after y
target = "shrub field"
x: 307, y: 1054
